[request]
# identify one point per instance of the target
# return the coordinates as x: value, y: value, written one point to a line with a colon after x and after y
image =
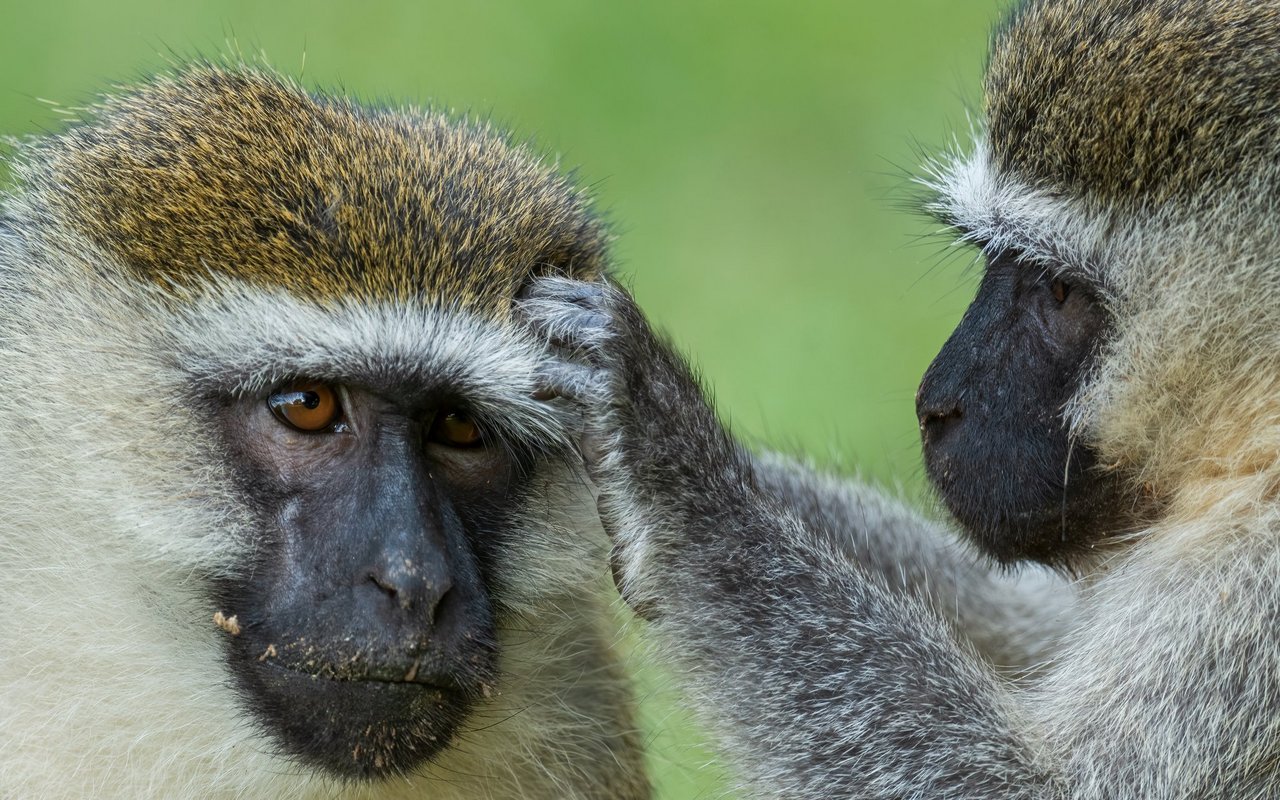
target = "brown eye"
x: 1060, y: 291
x: 308, y: 406
x: 454, y: 429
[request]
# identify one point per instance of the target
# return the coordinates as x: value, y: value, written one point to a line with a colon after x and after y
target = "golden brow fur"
x: 242, y: 172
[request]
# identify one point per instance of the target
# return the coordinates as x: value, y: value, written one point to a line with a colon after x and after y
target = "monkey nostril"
x: 411, y: 592
x: 935, y: 422
x: 385, y: 585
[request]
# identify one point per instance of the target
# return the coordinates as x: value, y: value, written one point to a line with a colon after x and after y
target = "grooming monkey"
x: 1109, y: 405
x: 261, y: 370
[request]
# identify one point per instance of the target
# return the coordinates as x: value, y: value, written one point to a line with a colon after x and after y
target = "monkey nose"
x: 412, y: 588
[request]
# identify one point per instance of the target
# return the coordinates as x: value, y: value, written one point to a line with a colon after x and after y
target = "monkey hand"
x: 650, y: 440
x: 575, y: 318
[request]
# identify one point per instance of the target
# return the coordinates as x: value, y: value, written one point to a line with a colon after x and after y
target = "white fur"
x: 1001, y: 213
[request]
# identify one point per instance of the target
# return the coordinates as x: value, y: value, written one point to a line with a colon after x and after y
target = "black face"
x: 991, y: 416
x: 364, y: 628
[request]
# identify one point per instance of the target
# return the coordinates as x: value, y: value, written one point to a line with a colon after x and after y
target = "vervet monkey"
x: 280, y: 517
x: 1109, y: 406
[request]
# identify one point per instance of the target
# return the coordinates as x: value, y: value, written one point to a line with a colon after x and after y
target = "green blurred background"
x: 751, y: 154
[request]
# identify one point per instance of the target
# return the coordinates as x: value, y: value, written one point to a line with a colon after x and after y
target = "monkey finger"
x: 571, y: 313
x: 575, y: 382
x: 590, y: 295
x: 566, y: 325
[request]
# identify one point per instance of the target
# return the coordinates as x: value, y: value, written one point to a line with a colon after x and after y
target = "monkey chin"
x: 360, y: 728
x: 1053, y: 515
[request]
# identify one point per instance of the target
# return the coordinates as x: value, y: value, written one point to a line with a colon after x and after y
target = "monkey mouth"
x: 1015, y: 521
x: 354, y: 725
x: 354, y: 711
x: 352, y: 696
x: 347, y: 671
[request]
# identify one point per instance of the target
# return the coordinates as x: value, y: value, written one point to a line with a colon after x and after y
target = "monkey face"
x: 991, y: 410
x: 366, y: 632
x: 387, y: 491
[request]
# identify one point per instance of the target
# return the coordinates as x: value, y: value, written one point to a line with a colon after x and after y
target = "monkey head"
x: 1121, y: 348
x: 285, y: 320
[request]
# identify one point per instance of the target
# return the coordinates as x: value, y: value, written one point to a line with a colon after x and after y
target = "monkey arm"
x: 1014, y: 620
x: 821, y: 679
x: 823, y: 683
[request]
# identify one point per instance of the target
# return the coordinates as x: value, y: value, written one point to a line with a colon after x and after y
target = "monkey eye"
x: 1060, y: 290
x: 308, y: 406
x: 454, y: 428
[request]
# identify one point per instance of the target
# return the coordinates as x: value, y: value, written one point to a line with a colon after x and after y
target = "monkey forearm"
x: 1013, y: 620
x: 820, y: 681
